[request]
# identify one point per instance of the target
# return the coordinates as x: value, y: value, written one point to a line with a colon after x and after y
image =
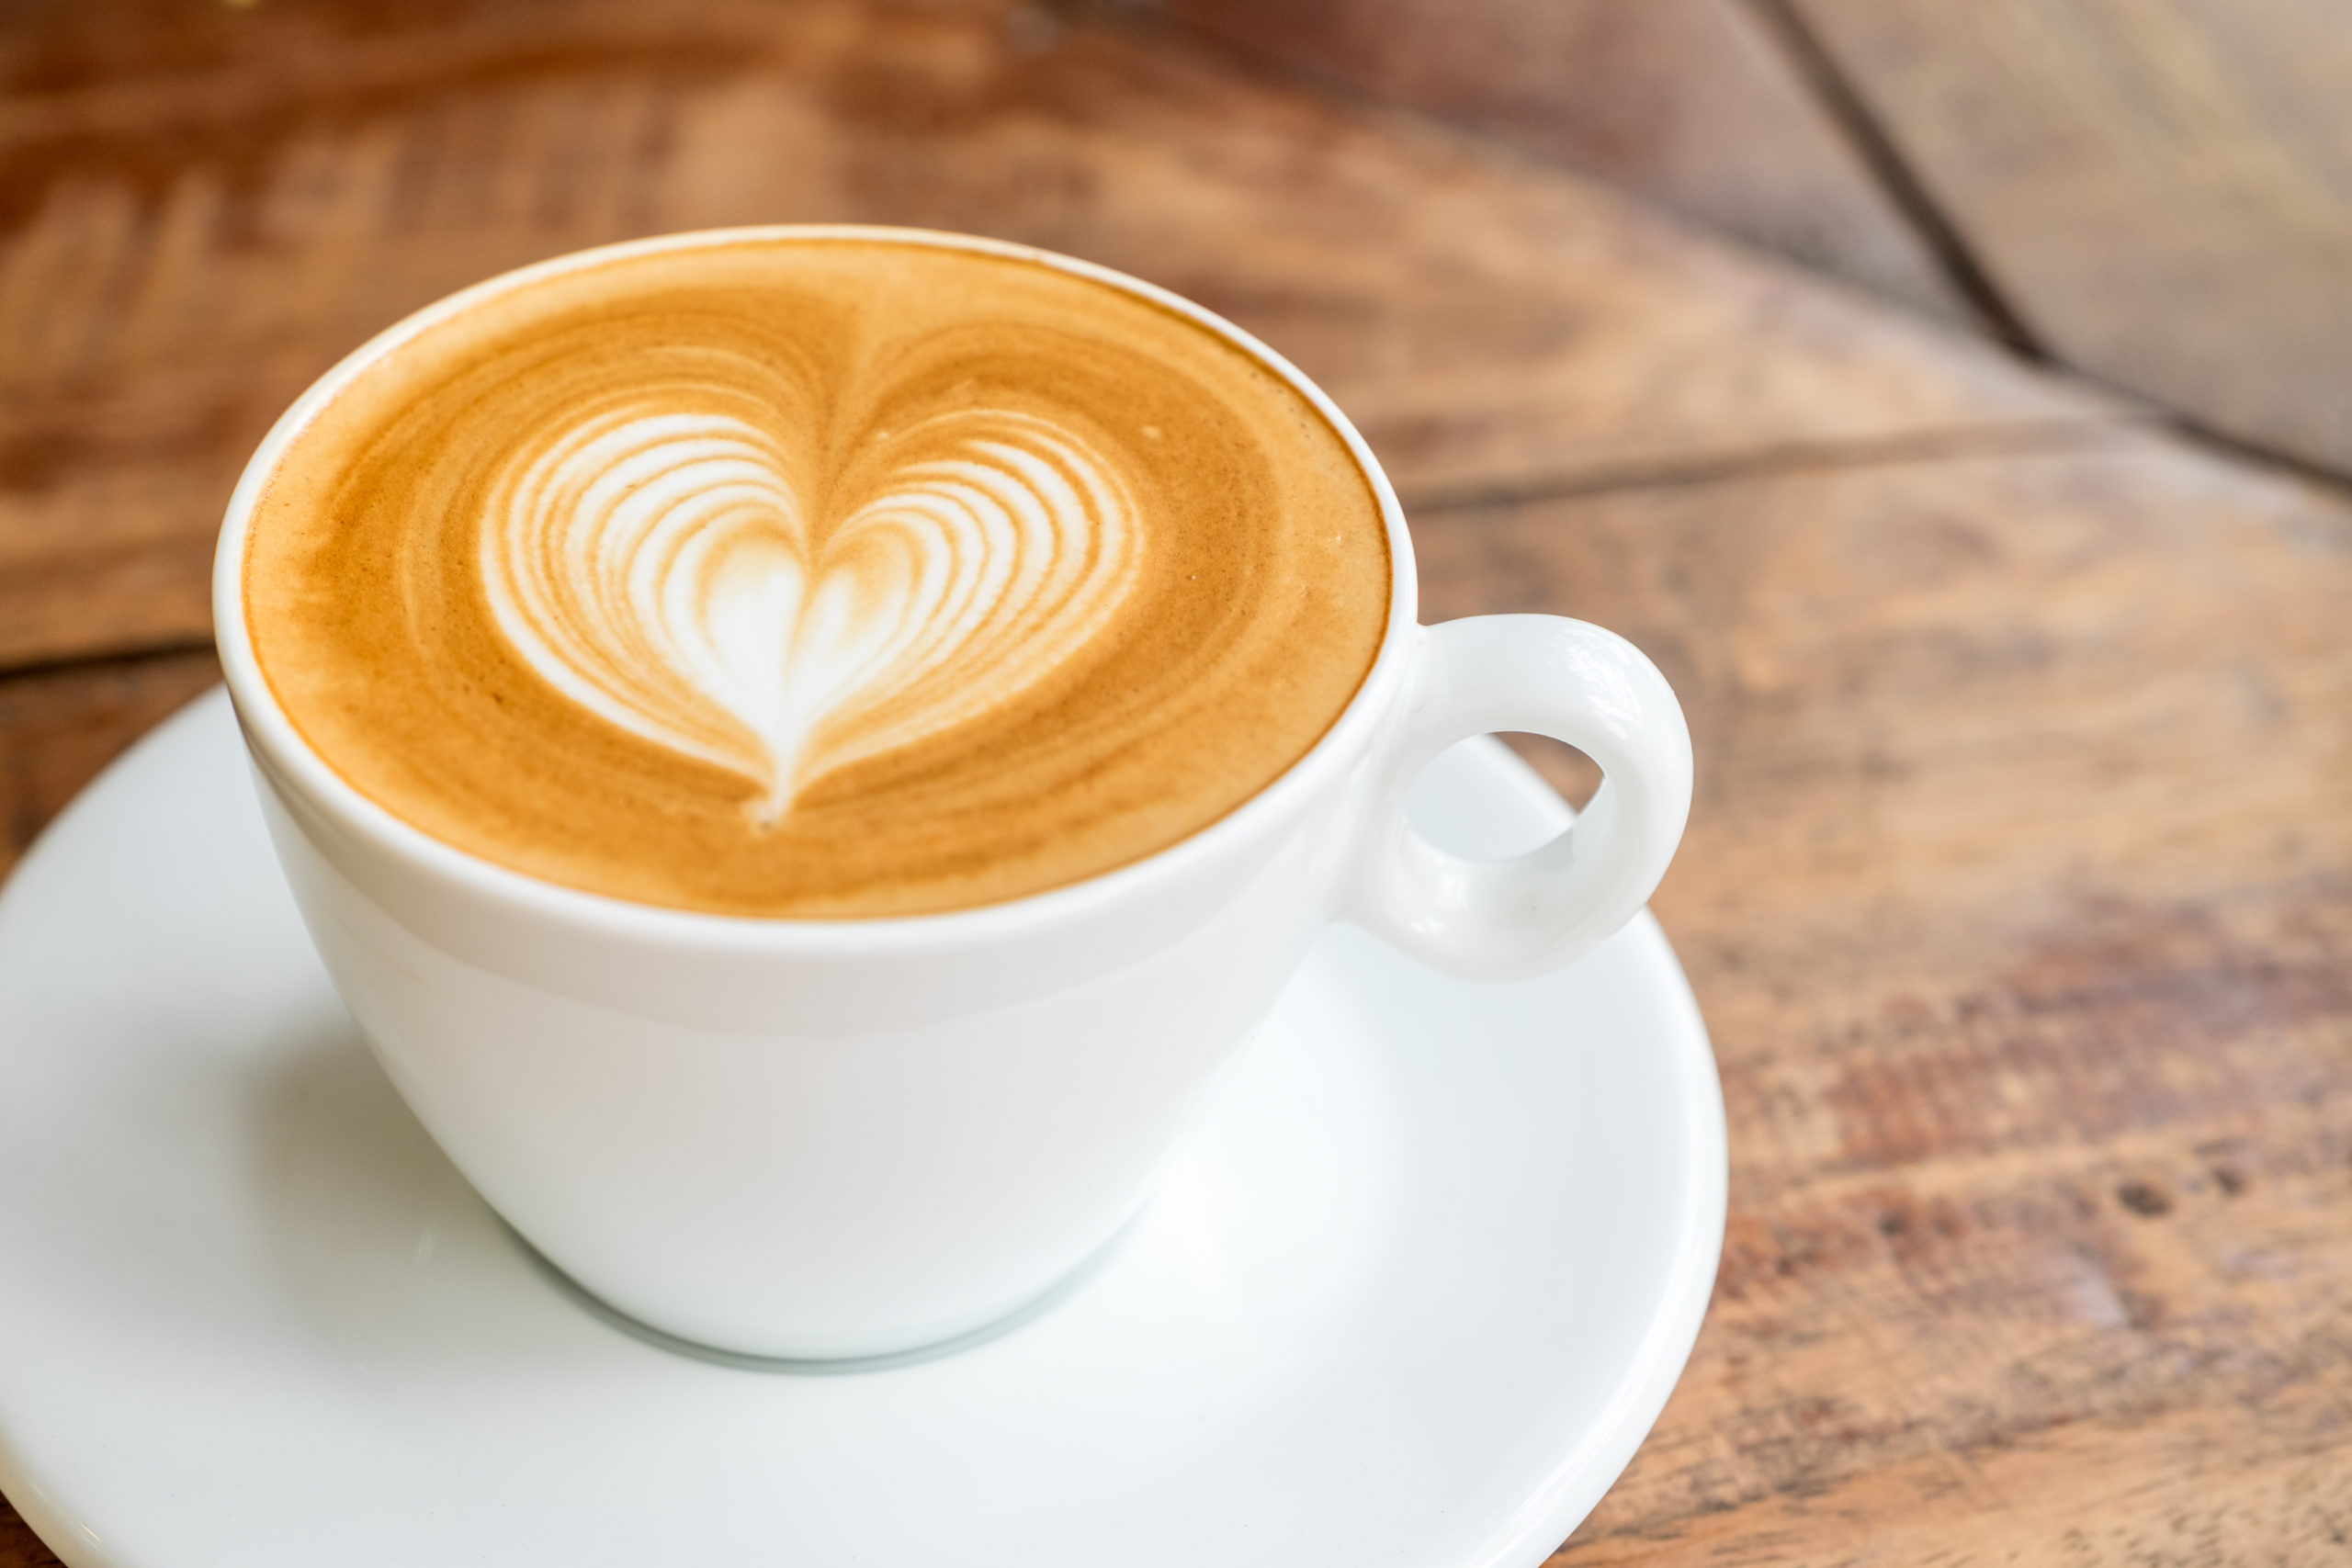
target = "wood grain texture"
x: 2161, y: 189
x: 201, y: 216
x: 1689, y: 104
x: 2018, y: 895
x: 19, y: 1548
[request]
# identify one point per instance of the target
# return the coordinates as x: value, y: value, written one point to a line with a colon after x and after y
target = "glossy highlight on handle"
x: 1511, y: 918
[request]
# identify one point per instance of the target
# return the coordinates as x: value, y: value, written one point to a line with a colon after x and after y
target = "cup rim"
x: 285, y: 754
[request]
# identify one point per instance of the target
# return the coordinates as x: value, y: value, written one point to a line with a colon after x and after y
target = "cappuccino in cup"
x: 814, y: 577
x: 809, y: 753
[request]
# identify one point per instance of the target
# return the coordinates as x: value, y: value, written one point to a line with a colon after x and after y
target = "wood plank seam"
x: 1690, y: 105
x: 2161, y: 186
x: 1893, y: 171
x: 126, y: 652
x: 2226, y: 444
x: 1880, y: 153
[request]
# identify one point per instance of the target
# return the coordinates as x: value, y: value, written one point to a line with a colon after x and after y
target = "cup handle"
x: 1511, y: 919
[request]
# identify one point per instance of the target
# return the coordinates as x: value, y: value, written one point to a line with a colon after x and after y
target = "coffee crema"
x: 814, y: 576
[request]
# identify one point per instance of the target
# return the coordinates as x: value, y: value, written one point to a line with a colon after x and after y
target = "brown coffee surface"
x: 815, y: 577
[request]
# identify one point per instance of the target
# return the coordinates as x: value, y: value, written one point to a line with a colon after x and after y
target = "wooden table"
x: 2018, y: 889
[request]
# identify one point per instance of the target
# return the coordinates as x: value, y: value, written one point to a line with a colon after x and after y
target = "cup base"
x: 992, y: 1328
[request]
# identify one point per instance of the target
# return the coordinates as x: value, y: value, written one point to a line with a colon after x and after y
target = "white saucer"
x: 1413, y: 1299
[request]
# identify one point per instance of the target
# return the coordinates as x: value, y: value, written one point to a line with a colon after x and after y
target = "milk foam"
x: 663, y: 569
x: 814, y: 577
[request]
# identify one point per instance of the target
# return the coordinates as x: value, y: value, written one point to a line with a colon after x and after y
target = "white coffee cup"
x: 828, y: 1139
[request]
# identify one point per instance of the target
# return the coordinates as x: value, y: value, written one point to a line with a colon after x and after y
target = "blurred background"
x: 1955, y: 400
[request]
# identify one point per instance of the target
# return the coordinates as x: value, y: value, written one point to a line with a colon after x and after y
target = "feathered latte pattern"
x: 668, y: 572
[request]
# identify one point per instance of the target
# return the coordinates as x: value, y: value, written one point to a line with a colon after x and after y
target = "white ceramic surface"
x: 1413, y: 1296
x: 842, y: 1138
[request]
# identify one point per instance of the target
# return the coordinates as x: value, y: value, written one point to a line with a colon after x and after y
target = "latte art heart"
x: 814, y: 575
x: 666, y: 571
